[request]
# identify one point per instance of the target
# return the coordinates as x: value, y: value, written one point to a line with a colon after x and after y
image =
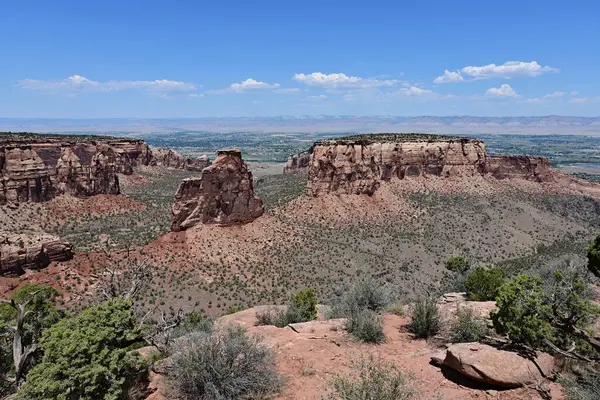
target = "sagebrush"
x: 229, y: 364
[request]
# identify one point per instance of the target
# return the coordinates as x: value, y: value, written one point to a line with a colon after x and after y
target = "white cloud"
x: 319, y: 97
x: 413, y: 91
x: 287, y: 90
x: 503, y: 91
x: 449, y: 76
x: 195, y: 95
x: 250, y: 84
x: 349, y: 97
x: 341, y: 80
x: 579, y: 100
x: 546, y: 98
x: 247, y: 85
x: 508, y: 70
x: 77, y: 83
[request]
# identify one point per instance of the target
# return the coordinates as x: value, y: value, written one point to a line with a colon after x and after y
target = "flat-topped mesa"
x: 358, y: 164
x: 39, y: 167
x: 172, y: 159
x: 222, y: 195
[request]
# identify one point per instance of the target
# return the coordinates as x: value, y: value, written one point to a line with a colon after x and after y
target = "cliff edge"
x: 358, y: 164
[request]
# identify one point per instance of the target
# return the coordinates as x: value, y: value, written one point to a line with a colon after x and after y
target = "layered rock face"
x: 38, y: 170
x: 532, y: 168
x: 358, y: 165
x: 133, y: 153
x: 222, y: 195
x: 298, y: 163
x: 172, y: 159
x: 30, y: 251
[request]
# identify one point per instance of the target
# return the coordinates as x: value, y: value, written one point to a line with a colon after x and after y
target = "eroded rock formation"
x: 222, y: 195
x: 298, y: 163
x: 172, y: 159
x: 34, y: 170
x: 358, y: 164
x: 532, y: 168
x: 30, y: 251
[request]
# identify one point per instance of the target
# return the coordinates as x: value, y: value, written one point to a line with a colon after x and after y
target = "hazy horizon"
x: 551, y: 124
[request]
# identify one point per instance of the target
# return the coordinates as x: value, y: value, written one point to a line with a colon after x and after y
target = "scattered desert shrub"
x: 425, y: 318
x: 233, y: 310
x: 583, y: 384
x: 305, y: 302
x: 366, y: 294
x: 483, y: 283
x: 362, y: 304
x: 373, y: 379
x: 366, y: 325
x: 301, y: 308
x: 230, y: 364
x: 530, y: 314
x: 523, y: 315
x: 467, y: 327
x: 398, y: 308
x: 458, y: 264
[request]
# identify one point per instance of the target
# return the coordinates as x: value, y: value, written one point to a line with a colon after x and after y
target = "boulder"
x: 499, y: 368
x: 222, y: 195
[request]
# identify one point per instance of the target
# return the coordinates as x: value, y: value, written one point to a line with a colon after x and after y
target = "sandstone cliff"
x: 532, y: 168
x: 172, y: 159
x: 222, y: 195
x: 358, y: 164
x: 36, y: 169
x: 30, y: 251
x: 298, y: 163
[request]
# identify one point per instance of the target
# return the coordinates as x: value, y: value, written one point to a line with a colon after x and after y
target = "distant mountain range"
x: 321, y: 123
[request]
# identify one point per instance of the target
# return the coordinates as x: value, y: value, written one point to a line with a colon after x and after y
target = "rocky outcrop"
x: 19, y: 252
x: 500, y: 368
x: 298, y: 163
x: 172, y: 159
x: 133, y: 153
x: 532, y: 168
x: 35, y: 170
x: 222, y: 195
x: 358, y: 164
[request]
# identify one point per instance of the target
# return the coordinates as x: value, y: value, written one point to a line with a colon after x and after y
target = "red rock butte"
x: 222, y: 195
x: 358, y: 164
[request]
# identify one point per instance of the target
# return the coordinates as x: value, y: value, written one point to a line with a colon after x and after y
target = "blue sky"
x: 147, y: 58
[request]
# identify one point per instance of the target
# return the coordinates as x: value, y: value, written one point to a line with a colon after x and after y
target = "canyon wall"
x: 222, y: 195
x: 35, y: 170
x: 359, y: 165
x: 298, y: 163
x: 531, y: 168
x: 172, y: 159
